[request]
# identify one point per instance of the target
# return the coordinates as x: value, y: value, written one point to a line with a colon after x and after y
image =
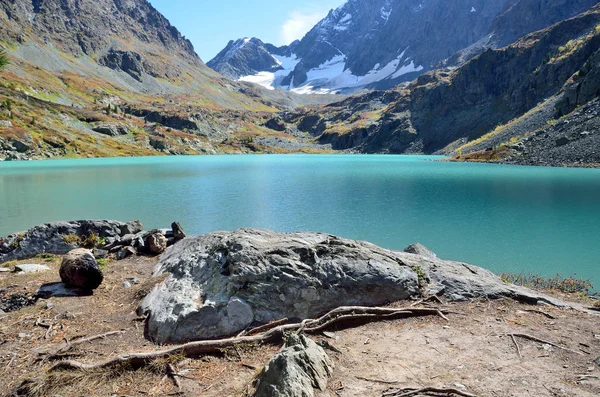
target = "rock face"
x: 296, y: 371
x: 221, y: 283
x: 54, y: 238
x: 111, y: 129
x: 80, y: 270
x: 83, y: 28
x: 248, y: 56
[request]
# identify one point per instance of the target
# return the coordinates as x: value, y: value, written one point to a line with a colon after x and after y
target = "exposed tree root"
x: 60, y: 352
x: 533, y: 338
x: 195, y: 349
x: 407, y: 392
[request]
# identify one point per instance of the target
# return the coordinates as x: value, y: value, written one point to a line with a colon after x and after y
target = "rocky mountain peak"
x: 95, y: 28
x: 379, y: 43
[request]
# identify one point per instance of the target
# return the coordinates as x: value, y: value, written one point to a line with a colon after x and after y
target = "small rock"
x: 31, y: 268
x: 132, y: 227
x: 116, y: 248
x: 157, y: 243
x: 49, y: 305
x: 139, y: 242
x: 419, y: 249
x: 23, y: 335
x: 296, y: 371
x: 127, y: 239
x: 5, y: 124
x: 133, y: 280
x: 20, y: 146
x: 126, y: 252
x: 99, y: 253
x: 4, y: 270
x: 80, y: 269
x: 178, y: 232
x: 126, y: 285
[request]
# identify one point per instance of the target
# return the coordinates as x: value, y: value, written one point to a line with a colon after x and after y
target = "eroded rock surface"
x: 223, y: 282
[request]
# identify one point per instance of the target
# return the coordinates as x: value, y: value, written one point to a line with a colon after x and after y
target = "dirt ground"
x: 472, y: 351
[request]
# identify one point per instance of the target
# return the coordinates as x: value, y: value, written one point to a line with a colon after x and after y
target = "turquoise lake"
x: 505, y: 218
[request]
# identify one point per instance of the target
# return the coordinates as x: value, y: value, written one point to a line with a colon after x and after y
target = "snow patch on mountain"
x: 272, y: 80
x: 332, y: 76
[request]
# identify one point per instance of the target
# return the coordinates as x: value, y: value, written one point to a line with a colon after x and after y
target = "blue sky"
x: 210, y: 24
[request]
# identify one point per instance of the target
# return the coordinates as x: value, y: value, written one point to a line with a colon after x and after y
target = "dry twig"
x: 533, y: 338
x: 543, y: 313
x: 516, y: 345
x: 60, y: 352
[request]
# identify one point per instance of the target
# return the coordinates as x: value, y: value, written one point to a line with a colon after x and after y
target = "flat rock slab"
x: 60, y: 290
x: 30, y: 268
x: 224, y: 282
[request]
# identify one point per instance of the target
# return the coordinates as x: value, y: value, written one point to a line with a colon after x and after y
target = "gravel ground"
x: 572, y: 141
x: 532, y: 121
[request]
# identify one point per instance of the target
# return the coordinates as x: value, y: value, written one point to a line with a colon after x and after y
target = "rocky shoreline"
x: 252, y: 286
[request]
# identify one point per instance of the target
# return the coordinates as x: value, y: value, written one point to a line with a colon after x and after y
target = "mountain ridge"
x: 380, y: 44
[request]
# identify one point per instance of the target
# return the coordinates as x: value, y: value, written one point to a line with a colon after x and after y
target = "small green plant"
x: 7, y: 104
x: 3, y: 60
x: 102, y: 262
x: 92, y: 241
x: 47, y: 257
x: 560, y: 283
x: 72, y: 239
x: 17, y: 243
x: 33, y: 120
x: 421, y: 276
x: 9, y: 264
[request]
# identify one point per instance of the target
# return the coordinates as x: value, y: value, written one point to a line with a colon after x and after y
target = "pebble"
x: 126, y: 285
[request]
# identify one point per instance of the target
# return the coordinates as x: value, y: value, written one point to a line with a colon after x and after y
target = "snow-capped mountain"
x: 363, y: 44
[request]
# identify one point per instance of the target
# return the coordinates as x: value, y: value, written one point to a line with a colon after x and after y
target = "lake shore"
x: 472, y: 350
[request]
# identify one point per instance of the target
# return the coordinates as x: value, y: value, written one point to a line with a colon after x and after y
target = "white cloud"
x: 299, y: 23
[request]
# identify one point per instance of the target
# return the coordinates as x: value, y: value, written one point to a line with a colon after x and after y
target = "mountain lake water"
x: 505, y: 218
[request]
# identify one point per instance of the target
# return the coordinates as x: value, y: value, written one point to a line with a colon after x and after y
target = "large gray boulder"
x: 223, y: 282
x: 57, y: 237
x: 296, y: 371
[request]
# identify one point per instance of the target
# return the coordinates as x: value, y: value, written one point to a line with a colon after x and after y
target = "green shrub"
x: 72, y: 239
x: 558, y: 282
x: 3, y: 60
